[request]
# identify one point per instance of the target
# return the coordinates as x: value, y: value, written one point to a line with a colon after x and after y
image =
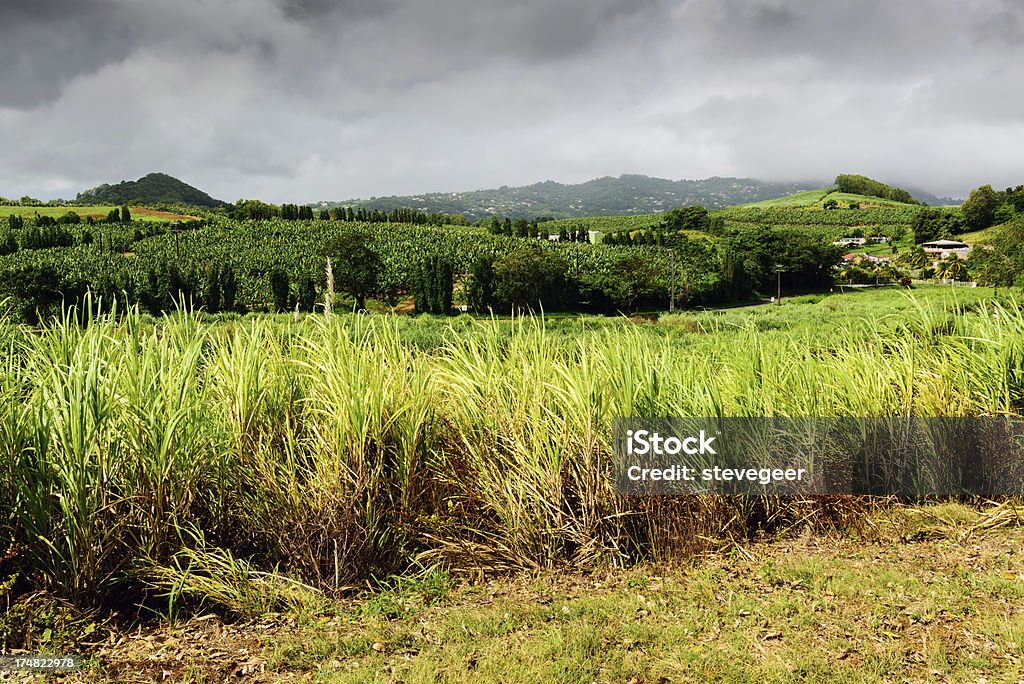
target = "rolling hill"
x: 153, y: 188
x: 627, y: 195
x: 815, y: 199
x: 852, y: 214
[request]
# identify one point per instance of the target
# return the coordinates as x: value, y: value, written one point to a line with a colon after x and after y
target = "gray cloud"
x: 296, y: 100
x: 1004, y: 24
x: 46, y: 45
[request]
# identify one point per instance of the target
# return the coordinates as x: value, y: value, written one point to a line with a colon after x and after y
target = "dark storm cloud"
x: 316, y: 10
x: 44, y: 45
x: 531, y: 30
x: 844, y: 35
x: 308, y: 99
x: 403, y: 44
x: 1005, y: 24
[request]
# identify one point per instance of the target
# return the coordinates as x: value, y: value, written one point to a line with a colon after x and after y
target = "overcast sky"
x: 303, y: 100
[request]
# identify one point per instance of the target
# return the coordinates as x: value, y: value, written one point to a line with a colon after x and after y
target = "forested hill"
x: 622, y: 196
x: 154, y: 188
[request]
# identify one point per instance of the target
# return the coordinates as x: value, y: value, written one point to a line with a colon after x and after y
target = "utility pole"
x: 672, y: 285
x: 778, y: 283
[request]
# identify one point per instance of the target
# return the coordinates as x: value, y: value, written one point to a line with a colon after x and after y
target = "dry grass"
x: 801, y: 608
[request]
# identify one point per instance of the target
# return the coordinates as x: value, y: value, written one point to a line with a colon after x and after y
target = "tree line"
x: 862, y: 185
x: 263, y: 211
x: 983, y: 208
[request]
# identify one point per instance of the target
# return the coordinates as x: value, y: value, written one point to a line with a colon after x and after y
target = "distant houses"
x: 940, y: 249
x: 849, y: 242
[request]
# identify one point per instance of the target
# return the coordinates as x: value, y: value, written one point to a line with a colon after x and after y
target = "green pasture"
x: 979, y: 237
x: 809, y: 198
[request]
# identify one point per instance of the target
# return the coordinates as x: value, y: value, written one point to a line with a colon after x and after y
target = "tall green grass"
x: 136, y: 459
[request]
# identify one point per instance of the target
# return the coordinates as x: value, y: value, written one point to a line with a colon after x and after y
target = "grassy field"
x: 865, y: 201
x: 878, y: 249
x: 979, y: 237
x: 98, y: 212
x: 809, y: 198
x: 902, y: 246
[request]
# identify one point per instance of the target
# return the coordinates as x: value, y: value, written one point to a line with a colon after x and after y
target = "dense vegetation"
x: 255, y: 256
x: 862, y: 185
x: 890, y: 221
x: 203, y: 455
x: 153, y: 188
x: 1003, y: 263
x: 181, y: 460
x: 280, y: 264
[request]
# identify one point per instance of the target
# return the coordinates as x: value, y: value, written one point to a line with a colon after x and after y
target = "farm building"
x: 940, y: 249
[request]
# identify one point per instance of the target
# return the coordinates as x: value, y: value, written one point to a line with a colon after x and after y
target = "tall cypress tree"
x: 434, y: 294
x: 447, y: 286
x: 307, y: 294
x: 228, y: 288
x: 480, y: 290
x: 279, y: 288
x: 418, y: 287
x: 211, y: 288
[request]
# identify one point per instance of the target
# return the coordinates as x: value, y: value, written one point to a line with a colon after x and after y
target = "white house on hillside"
x: 940, y: 249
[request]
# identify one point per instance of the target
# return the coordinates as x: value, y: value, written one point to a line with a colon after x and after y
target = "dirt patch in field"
x: 203, y: 649
x: 405, y: 306
x: 162, y: 214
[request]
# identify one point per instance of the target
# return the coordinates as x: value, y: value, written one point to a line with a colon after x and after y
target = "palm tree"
x: 951, y: 268
x: 918, y: 258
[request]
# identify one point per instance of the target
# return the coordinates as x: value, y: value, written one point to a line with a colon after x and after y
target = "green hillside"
x: 799, y: 199
x: 803, y: 209
x: 153, y: 188
x: 980, y: 237
x: 816, y: 199
x: 834, y: 213
x: 626, y: 195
